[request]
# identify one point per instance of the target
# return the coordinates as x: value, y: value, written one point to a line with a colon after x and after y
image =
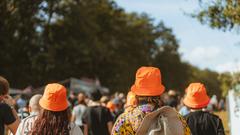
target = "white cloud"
x: 202, y: 54
x: 199, y: 44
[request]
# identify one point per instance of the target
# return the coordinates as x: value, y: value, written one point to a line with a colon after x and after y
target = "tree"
x: 226, y: 82
x: 175, y: 73
x: 220, y: 14
x: 48, y: 41
x: 18, y: 39
x: 52, y: 40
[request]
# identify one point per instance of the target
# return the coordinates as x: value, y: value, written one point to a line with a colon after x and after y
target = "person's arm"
x: 14, y: 126
x: 110, y: 125
x: 20, y: 128
x: 85, y: 130
x: 73, y: 118
x: 85, y: 121
x: 109, y: 119
x: 11, y: 119
x: 220, y: 130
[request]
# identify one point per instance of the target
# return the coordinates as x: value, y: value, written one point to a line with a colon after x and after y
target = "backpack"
x: 164, y: 121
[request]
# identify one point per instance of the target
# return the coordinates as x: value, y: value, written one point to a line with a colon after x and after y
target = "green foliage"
x: 44, y: 41
x: 226, y: 82
x: 209, y: 78
x: 221, y: 14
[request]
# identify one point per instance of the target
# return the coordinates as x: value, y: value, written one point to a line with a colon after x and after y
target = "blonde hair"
x: 34, y: 102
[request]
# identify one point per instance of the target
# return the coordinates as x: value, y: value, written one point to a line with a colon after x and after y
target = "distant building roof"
x: 79, y: 85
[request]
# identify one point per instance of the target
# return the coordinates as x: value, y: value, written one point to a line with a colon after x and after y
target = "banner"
x: 234, y: 111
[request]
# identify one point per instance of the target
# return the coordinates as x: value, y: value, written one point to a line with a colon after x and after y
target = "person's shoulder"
x: 212, y: 115
x: 25, y: 124
x: 79, y: 106
x: 4, y: 105
x: 191, y: 115
x: 195, y: 113
x: 95, y: 109
x: 202, y: 113
x: 122, y: 125
x: 30, y: 118
x: 76, y: 107
x: 82, y: 106
x: 100, y: 107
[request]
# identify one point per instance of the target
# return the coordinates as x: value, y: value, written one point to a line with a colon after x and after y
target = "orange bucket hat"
x: 196, y: 96
x: 54, y: 98
x: 111, y: 106
x: 148, y: 82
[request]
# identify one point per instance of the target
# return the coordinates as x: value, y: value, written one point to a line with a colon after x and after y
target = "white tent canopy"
x: 234, y: 111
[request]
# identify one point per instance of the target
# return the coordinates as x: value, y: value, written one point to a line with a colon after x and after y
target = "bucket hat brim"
x: 53, y: 106
x: 196, y: 104
x: 156, y: 91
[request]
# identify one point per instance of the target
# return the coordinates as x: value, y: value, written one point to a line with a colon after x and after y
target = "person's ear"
x: 29, y: 109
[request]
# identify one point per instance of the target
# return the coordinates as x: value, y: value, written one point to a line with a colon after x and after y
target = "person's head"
x: 81, y: 98
x: 131, y: 99
x: 121, y: 96
x: 148, y: 86
x: 172, y: 93
x: 196, y: 96
x: 111, y: 106
x: 34, y: 103
x: 4, y: 86
x: 72, y: 95
x: 118, y: 104
x: 95, y: 95
x: 104, y: 100
x: 54, y: 116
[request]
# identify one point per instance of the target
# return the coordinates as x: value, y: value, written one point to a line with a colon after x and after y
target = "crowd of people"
x: 147, y: 109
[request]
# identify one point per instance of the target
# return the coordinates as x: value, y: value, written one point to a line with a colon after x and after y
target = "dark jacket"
x: 204, y: 123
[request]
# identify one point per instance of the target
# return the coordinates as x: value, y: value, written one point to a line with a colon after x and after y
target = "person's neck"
x: 196, y: 110
x: 34, y: 113
x: 94, y: 103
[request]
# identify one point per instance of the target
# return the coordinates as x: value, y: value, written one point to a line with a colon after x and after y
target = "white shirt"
x: 78, y: 112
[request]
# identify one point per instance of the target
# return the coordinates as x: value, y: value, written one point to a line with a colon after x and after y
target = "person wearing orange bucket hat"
x: 199, y: 120
x: 148, y: 82
x: 147, y: 91
x: 111, y: 106
x: 131, y: 100
x: 54, y: 118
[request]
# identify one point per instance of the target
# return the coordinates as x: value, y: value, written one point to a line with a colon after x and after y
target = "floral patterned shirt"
x: 129, y: 121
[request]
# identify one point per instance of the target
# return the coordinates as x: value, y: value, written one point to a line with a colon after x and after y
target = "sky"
x: 200, y: 45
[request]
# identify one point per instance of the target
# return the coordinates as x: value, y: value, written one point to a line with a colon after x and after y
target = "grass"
x: 224, y: 116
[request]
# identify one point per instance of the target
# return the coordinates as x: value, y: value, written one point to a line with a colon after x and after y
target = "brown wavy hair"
x: 4, y: 86
x: 52, y: 123
x: 154, y: 100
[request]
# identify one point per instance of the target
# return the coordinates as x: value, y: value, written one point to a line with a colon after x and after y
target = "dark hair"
x: 154, y: 100
x: 52, y: 123
x: 4, y: 86
x: 95, y: 95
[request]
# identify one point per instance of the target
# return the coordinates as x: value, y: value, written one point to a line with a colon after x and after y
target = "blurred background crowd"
x: 116, y: 103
